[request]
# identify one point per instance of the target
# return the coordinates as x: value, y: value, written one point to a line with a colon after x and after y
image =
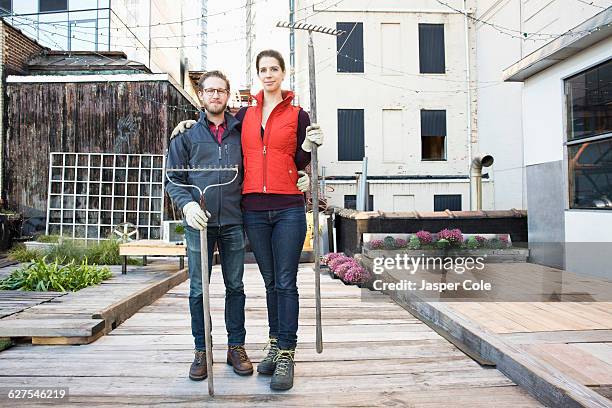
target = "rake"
x: 204, y: 257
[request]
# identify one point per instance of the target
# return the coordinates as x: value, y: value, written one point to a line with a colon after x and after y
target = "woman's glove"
x: 303, y: 183
x: 314, y: 136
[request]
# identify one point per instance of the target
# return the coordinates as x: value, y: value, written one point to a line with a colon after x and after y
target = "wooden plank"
x: 50, y: 327
x: 151, y: 248
x: 549, y: 385
x: 602, y: 351
x: 562, y: 336
x: 581, y: 365
x: 73, y: 340
x: 504, y: 397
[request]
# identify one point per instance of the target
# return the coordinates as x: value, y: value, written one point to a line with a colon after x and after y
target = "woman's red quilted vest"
x: 269, y: 164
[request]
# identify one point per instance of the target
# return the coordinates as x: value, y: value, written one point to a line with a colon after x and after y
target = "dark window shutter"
x: 52, y: 5
x: 5, y: 7
x: 450, y: 202
x: 350, y: 135
x: 433, y: 122
x: 431, y: 49
x: 350, y: 57
x: 350, y: 202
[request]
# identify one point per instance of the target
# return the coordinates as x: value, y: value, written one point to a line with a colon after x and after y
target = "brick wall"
x: 17, y: 49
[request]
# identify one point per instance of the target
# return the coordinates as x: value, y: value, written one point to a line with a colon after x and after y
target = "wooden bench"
x: 150, y: 247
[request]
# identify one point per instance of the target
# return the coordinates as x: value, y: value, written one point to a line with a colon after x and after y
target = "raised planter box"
x: 39, y: 246
x: 488, y: 255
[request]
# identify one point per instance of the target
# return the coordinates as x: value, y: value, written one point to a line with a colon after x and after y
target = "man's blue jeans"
x: 231, y: 244
x: 277, y: 238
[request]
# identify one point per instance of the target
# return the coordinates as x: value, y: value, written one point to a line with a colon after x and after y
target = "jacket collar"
x: 230, y: 120
x: 287, y: 97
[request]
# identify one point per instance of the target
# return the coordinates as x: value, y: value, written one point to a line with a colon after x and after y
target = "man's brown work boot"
x: 238, y: 359
x: 197, y: 371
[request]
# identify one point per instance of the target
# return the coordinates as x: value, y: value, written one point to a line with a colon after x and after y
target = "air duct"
x: 478, y: 162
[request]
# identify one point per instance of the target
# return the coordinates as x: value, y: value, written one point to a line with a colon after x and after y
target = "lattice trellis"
x: 90, y: 193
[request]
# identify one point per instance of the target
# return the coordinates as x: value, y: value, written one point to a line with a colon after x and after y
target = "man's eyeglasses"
x: 210, y: 92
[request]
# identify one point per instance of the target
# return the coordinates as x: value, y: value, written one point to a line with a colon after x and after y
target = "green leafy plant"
x: 48, y: 238
x: 180, y: 229
x: 442, y: 243
x: 414, y: 243
x: 20, y: 253
x: 472, y: 243
x: 53, y: 276
x: 389, y: 242
x: 105, y: 252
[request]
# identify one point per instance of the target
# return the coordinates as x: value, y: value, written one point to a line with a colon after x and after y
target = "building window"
x: 589, y: 138
x: 431, y: 49
x: 349, y: 47
x: 350, y: 202
x: 433, y: 134
x: 6, y: 7
x: 350, y: 135
x: 450, y: 202
x: 52, y: 5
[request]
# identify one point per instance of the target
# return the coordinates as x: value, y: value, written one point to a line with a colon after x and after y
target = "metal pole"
x: 314, y: 164
x: 206, y: 306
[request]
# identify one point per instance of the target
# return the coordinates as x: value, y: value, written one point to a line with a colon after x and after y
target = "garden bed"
x: 492, y: 248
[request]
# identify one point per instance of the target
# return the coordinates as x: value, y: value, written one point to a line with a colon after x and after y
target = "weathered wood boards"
x: 82, y: 317
x: 375, y: 354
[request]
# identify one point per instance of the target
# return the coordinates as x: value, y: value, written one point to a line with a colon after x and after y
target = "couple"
x: 271, y: 144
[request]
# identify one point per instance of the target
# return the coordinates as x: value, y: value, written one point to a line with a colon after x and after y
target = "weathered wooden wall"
x: 101, y: 117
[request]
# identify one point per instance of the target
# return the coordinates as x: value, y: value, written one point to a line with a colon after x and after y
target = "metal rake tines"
x: 204, y: 168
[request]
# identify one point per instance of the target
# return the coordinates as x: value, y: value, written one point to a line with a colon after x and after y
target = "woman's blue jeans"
x: 277, y: 238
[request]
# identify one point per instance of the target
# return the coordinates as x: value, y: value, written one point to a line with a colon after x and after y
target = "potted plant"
x: 180, y: 230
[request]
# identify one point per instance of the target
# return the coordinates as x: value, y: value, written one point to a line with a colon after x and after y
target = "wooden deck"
x: 565, y: 345
x: 375, y: 354
x: 575, y: 338
x: 83, y: 316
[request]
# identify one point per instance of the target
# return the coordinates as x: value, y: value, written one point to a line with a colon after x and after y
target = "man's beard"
x: 215, y: 109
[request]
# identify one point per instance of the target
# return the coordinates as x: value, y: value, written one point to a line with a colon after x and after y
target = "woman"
x: 276, y: 144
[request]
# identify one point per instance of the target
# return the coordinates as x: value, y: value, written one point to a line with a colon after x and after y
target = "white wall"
x: 380, y: 90
x: 499, y: 103
x: 543, y: 104
x: 409, y: 195
x: 555, y: 17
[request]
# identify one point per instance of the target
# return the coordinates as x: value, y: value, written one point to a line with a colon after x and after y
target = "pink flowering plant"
x: 424, y: 237
x: 356, y: 274
x: 375, y: 244
x: 454, y: 236
x: 326, y: 259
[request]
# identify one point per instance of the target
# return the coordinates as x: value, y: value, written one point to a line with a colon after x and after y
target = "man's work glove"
x: 182, y: 127
x: 303, y: 183
x: 194, y: 216
x: 314, y: 136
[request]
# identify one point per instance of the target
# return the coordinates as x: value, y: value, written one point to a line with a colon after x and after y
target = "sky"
x: 226, y: 50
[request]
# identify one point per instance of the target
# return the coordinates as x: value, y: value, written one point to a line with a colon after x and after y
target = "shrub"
x: 496, y: 243
x: 389, y: 242
x: 375, y: 244
x: 48, y: 238
x: 454, y: 236
x: 481, y: 240
x: 424, y: 237
x: 415, y: 242
x: 20, y: 253
x: 442, y: 243
x: 472, y: 243
x: 401, y: 243
x: 43, y: 276
x: 357, y: 274
x: 105, y: 252
x: 504, y: 240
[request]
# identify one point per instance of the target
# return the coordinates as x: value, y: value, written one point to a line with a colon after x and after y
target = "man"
x: 213, y: 141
